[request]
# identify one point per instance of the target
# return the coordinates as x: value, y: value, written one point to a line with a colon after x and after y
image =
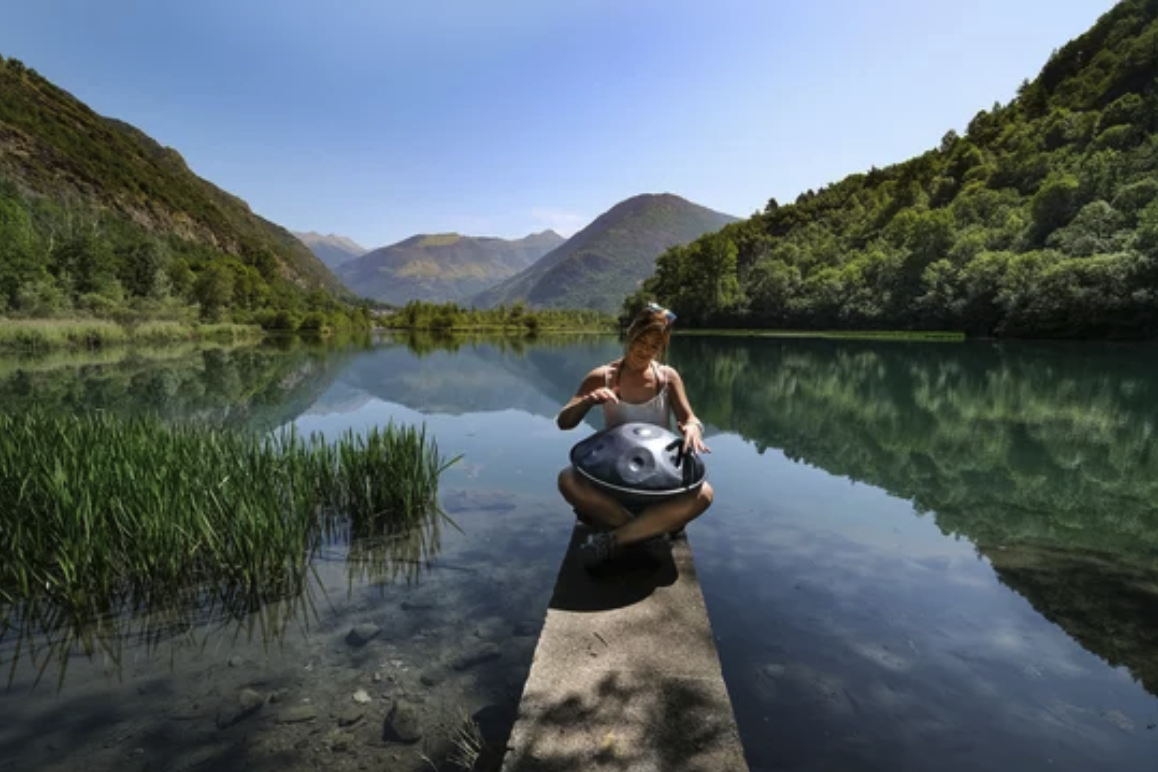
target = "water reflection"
x: 1044, y: 452
x: 257, y: 387
x: 852, y: 634
x: 1024, y: 443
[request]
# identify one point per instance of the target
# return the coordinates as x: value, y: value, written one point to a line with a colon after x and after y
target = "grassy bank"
x: 25, y: 335
x: 107, y: 520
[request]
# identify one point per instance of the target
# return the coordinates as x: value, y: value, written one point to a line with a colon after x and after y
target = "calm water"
x: 921, y: 556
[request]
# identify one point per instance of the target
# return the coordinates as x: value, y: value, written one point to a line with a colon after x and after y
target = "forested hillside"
x: 96, y: 218
x: 1041, y: 220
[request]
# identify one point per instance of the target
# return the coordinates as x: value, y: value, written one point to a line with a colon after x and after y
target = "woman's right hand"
x: 601, y: 395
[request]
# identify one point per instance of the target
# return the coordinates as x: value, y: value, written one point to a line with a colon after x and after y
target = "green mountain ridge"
x: 96, y: 215
x: 442, y: 267
x: 609, y: 258
x: 1041, y: 221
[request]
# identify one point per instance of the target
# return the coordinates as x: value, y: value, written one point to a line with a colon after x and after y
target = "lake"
x: 920, y: 556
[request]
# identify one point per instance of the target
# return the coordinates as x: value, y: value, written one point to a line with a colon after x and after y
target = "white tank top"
x: 656, y: 410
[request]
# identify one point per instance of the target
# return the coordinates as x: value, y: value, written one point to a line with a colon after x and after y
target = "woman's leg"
x: 665, y: 517
x: 590, y: 501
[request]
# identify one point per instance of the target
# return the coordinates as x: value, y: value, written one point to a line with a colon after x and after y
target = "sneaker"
x: 597, y: 550
x: 656, y: 548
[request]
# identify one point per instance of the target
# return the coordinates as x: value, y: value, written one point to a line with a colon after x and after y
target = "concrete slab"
x: 626, y: 675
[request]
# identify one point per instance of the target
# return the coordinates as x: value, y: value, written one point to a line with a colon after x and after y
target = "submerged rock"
x: 298, y: 714
x: 362, y: 634
x: 477, y: 656
x: 339, y: 741
x: 402, y: 724
x: 432, y: 676
x: 351, y: 716
x: 492, y: 629
x: 248, y: 703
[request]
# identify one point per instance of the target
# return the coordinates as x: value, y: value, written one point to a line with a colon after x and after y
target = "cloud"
x: 563, y: 223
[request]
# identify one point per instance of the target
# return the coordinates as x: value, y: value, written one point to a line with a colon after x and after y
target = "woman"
x: 636, y: 387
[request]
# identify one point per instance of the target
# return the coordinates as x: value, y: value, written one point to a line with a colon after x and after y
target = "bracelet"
x: 696, y: 422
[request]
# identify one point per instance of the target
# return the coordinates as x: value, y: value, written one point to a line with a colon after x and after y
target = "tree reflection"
x: 1041, y: 455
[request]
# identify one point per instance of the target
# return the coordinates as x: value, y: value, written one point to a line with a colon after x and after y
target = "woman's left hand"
x: 694, y: 439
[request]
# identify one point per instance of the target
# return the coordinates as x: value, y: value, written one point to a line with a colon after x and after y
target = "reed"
x: 112, y: 522
x: 37, y: 335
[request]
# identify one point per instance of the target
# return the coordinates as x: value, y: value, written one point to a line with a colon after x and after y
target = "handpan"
x: 638, y: 463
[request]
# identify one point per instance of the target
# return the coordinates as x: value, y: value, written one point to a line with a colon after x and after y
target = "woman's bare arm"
x: 592, y: 391
x: 691, y: 426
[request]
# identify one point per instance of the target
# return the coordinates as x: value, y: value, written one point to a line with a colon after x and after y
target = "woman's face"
x: 644, y: 349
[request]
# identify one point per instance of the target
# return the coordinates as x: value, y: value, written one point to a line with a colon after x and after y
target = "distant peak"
x: 437, y: 239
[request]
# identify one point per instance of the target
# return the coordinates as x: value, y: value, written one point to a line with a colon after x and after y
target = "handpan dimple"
x: 638, y: 463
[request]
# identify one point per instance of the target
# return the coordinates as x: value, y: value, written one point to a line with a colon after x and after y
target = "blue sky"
x: 380, y: 119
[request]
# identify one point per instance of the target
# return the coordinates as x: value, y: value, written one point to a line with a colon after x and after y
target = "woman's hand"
x: 694, y: 438
x: 601, y: 395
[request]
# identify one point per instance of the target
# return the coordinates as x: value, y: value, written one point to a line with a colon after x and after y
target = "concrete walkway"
x: 626, y: 676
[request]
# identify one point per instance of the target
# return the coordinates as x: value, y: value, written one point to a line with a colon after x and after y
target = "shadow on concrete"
x: 641, y: 720
x: 623, y: 582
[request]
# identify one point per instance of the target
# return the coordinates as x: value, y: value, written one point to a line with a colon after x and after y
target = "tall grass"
x: 31, y: 335
x: 111, y: 522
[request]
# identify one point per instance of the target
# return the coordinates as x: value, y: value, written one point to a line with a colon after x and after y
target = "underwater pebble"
x: 362, y: 697
x: 477, y: 656
x: 362, y: 634
x: 350, y: 716
x: 298, y: 714
x: 248, y: 703
x: 339, y: 741
x: 402, y: 724
x: 492, y: 629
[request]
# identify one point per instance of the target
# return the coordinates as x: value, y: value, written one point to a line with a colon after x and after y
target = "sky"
x: 381, y: 119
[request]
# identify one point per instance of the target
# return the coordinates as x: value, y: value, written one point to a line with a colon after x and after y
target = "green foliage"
x: 107, y: 517
x: 985, y: 234
x: 97, y: 218
x: 445, y: 317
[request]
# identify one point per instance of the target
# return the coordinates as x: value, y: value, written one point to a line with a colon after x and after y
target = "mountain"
x: 442, y: 267
x: 609, y: 258
x: 96, y: 215
x: 333, y: 250
x: 1040, y: 221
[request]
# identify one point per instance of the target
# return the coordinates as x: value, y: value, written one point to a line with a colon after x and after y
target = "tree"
x: 18, y: 246
x: 1053, y: 205
x: 214, y: 291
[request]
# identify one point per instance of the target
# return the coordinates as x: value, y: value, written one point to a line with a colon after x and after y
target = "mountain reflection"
x: 455, y: 375
x: 1039, y: 454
